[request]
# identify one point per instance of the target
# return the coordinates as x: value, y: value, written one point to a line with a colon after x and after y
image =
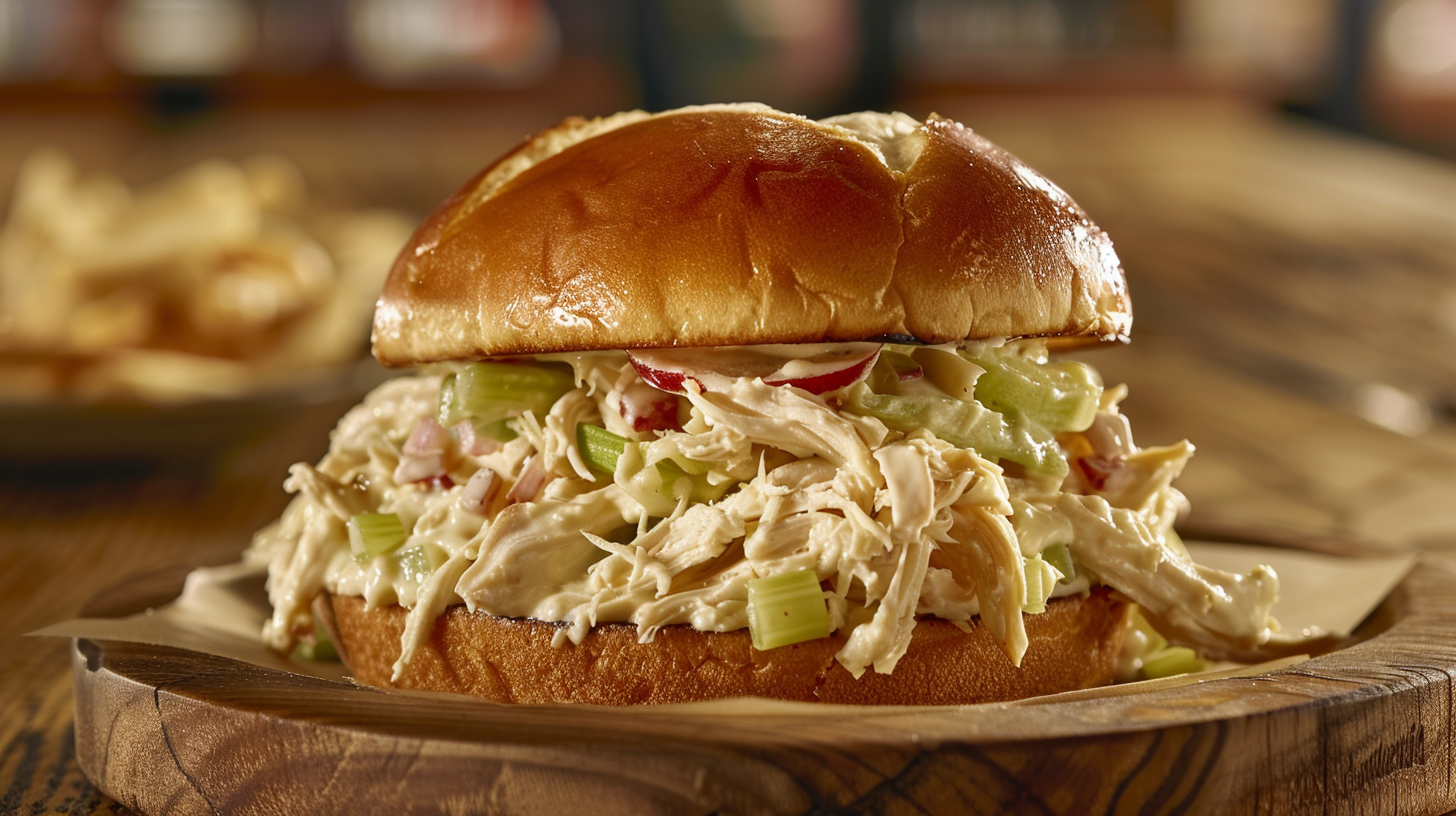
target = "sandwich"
x: 724, y: 401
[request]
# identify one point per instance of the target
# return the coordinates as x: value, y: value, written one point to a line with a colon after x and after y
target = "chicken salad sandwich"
x: 724, y: 401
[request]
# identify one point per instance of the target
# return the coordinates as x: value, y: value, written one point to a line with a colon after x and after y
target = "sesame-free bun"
x: 739, y: 224
x: 1073, y: 645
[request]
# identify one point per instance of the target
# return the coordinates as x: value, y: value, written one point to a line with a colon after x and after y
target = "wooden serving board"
x: 1367, y: 729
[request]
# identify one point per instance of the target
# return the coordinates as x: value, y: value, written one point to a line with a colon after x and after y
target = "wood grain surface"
x: 1366, y: 729
x: 1285, y: 280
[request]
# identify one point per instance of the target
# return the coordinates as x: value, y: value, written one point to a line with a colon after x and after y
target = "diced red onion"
x: 528, y: 485
x: 1104, y: 474
x: 472, y: 443
x: 481, y: 490
x: 417, y: 468
x: 426, y: 438
x: 1111, y: 435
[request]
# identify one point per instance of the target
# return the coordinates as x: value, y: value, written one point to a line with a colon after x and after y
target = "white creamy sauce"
x: 898, y: 525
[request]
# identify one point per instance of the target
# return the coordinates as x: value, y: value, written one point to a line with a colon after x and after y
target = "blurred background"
x: 384, y: 71
x: 201, y: 197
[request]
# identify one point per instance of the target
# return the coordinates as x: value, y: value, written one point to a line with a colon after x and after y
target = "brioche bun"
x: 1073, y: 645
x: 739, y: 224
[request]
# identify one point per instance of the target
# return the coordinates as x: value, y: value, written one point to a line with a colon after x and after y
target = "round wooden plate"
x: 1367, y: 729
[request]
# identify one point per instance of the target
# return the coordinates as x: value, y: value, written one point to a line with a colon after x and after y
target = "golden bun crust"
x: 738, y: 225
x: 1074, y: 645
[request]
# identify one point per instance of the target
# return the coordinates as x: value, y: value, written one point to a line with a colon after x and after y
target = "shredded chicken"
x: 893, y: 524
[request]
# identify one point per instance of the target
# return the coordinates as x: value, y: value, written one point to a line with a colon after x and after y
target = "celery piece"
x: 1060, y: 396
x: 374, y: 534
x: 1041, y: 579
x: 319, y: 649
x: 1137, y: 624
x: 658, y: 486
x: 670, y: 473
x: 785, y: 609
x: 419, y: 561
x: 699, y: 490
x: 447, y: 412
x: 489, y: 392
x: 1060, y: 557
x: 487, y: 388
x: 642, y: 483
x: 599, y: 447
x: 1170, y: 661
x: 499, y: 430
x: 966, y: 425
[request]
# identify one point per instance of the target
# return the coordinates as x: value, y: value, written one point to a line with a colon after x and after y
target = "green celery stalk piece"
x: 966, y: 425
x: 499, y: 430
x: 699, y: 489
x: 786, y: 609
x: 1156, y: 641
x: 489, y: 392
x: 1170, y: 661
x: 419, y: 561
x: 599, y: 447
x: 447, y: 413
x: 1060, y: 557
x: 374, y: 534
x: 1040, y: 581
x: 1059, y: 396
x: 320, y: 649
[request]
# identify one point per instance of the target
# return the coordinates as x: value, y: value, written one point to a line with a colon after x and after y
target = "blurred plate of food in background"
x: 134, y: 320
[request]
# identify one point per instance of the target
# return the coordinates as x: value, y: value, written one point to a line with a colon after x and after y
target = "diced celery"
x: 319, y: 649
x: 500, y: 430
x: 489, y: 392
x: 1060, y: 557
x: 676, y: 480
x: 1059, y: 396
x: 419, y: 561
x: 692, y: 467
x: 1041, y: 579
x: 599, y: 447
x: 1139, y: 625
x: 965, y: 424
x: 657, y: 489
x: 643, y: 483
x: 446, y: 412
x: 1170, y: 661
x: 786, y: 609
x: 374, y: 534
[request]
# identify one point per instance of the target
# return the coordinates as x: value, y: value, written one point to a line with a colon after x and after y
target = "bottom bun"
x: 1073, y: 645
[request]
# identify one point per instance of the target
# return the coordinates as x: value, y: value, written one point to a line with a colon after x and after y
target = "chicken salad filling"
x: 666, y: 487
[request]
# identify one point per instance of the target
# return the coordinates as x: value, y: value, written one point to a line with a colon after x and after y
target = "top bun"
x: 739, y: 224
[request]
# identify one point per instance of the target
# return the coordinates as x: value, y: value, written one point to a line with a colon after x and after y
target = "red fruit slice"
x: 649, y: 409
x: 817, y: 369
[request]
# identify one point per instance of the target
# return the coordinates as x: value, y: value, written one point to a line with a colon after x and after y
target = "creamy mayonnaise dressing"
x: 894, y: 524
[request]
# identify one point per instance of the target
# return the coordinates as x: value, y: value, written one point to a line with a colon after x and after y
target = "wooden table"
x: 1291, y: 286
